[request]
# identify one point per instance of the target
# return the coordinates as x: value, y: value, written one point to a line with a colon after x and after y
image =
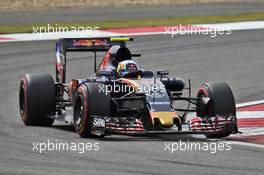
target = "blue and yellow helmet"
x: 126, y: 67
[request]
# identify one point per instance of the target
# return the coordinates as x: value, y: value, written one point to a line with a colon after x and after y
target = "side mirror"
x: 105, y: 73
x: 162, y: 73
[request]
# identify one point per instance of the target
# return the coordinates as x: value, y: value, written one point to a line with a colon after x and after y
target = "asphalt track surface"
x: 124, y: 13
x: 236, y: 58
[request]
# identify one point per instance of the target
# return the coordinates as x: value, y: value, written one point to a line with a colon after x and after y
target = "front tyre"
x: 222, y: 103
x: 89, y: 102
x: 37, y: 99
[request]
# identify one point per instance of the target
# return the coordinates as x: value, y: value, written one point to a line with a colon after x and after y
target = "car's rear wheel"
x: 222, y: 103
x: 37, y: 99
x: 89, y: 102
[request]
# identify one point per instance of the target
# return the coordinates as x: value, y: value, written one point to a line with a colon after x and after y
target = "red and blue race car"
x: 121, y: 98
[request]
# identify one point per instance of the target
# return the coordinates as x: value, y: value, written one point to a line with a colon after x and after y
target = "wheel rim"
x: 204, y: 93
x: 22, y: 100
x: 78, y: 113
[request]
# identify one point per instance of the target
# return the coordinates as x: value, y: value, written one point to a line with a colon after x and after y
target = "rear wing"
x: 94, y: 45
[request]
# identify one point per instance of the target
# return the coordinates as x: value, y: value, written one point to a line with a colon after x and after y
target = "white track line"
x: 251, y: 25
x: 248, y: 25
x: 250, y: 114
x: 55, y: 36
x: 252, y: 131
x: 250, y: 103
x: 244, y: 144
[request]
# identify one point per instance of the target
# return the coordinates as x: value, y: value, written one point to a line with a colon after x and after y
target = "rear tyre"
x: 222, y: 103
x: 37, y: 99
x: 89, y: 101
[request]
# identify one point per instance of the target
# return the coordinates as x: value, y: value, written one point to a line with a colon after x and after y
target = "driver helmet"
x: 126, y: 67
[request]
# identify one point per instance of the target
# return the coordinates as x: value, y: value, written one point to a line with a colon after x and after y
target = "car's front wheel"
x: 222, y: 103
x: 89, y: 103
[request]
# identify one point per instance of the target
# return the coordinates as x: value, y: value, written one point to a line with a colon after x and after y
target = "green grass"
x: 28, y: 28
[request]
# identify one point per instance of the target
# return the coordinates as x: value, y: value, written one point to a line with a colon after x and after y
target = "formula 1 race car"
x: 114, y: 100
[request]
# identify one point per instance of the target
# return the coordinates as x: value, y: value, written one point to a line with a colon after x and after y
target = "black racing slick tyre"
x: 37, y: 99
x: 221, y: 103
x: 89, y: 102
x: 222, y: 99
